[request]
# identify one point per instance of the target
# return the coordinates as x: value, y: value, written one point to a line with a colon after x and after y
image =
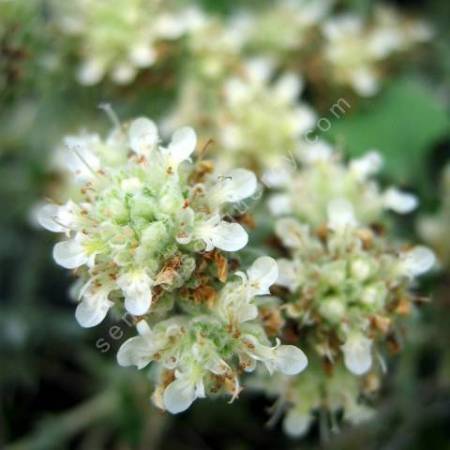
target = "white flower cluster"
x: 204, y: 353
x: 139, y: 212
x: 346, y: 284
x: 119, y: 37
x: 305, y: 193
x: 354, y: 50
x: 282, y: 27
x: 254, y: 137
x: 141, y: 233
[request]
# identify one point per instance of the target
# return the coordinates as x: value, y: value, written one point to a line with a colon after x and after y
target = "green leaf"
x: 403, y: 123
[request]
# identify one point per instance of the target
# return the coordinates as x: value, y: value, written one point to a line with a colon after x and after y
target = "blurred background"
x: 58, y: 389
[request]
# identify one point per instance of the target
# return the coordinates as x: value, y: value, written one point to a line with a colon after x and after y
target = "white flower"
x: 139, y: 350
x: 123, y: 73
x: 319, y: 151
x: 296, y: 423
x: 259, y: 69
x: 276, y: 177
x: 417, y: 261
x: 71, y: 254
x: 367, y: 165
x: 91, y: 72
x: 143, y: 136
x: 261, y: 275
x: 56, y: 218
x: 290, y: 232
x: 181, y: 393
x: 181, y: 146
x: 340, y: 214
x: 136, y: 286
x: 400, y: 202
x: 143, y: 55
x: 287, y: 359
x: 365, y: 82
x: 288, y: 274
x: 279, y: 204
x: 290, y: 360
x: 357, y: 353
x: 79, y: 156
x: 217, y: 233
x: 235, y: 186
x: 288, y: 87
x: 94, y: 305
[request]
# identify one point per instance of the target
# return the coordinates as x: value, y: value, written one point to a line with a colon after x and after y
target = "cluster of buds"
x: 139, y: 215
x: 305, y: 190
x: 354, y: 51
x: 434, y: 228
x: 202, y: 354
x: 119, y: 37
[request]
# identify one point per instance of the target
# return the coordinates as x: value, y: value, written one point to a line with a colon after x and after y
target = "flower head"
x: 136, y: 212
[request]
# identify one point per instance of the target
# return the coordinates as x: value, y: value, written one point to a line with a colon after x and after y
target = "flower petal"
x: 143, y: 135
x: 279, y: 204
x: 291, y: 232
x: 223, y: 235
x: 135, y: 351
x: 47, y: 217
x: 417, y: 261
x: 296, y: 423
x: 340, y: 214
x: 288, y: 87
x: 400, y: 202
x: 357, y: 353
x: 290, y: 360
x: 237, y: 185
x: 69, y: 254
x: 262, y: 274
x: 179, y: 395
x: 288, y: 274
x: 367, y: 165
x: 136, y: 287
x: 90, y: 72
x: 138, y: 304
x: 182, y: 145
x: 89, y: 314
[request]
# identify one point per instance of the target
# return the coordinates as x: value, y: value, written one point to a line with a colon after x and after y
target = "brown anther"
x: 322, y: 232
x: 381, y: 323
x: 205, y: 294
x: 371, y: 383
x: 272, y: 320
x: 247, y: 220
x: 222, y: 266
x: 403, y: 307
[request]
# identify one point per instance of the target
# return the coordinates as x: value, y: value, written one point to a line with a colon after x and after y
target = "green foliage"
x: 403, y: 123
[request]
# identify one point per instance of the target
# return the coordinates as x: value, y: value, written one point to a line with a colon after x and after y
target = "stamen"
x: 107, y: 108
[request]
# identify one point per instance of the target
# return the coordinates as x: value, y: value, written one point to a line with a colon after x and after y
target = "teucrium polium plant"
x: 151, y: 232
x: 151, y: 229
